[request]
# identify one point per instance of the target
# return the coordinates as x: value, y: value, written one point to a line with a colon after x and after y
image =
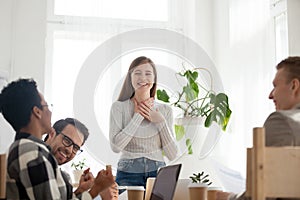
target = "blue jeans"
x: 134, y: 172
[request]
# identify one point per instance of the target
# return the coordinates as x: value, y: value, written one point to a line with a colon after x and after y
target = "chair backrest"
x: 2, y: 176
x: 272, y: 171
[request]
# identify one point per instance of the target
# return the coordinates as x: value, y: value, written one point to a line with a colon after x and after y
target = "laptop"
x: 165, y: 183
x: 182, y: 190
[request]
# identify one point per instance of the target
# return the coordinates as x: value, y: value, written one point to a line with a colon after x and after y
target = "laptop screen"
x: 165, y: 183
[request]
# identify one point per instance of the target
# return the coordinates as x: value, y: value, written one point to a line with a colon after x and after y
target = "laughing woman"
x: 140, y: 128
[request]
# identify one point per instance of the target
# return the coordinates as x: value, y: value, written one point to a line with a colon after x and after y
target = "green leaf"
x: 191, y: 76
x: 197, y: 178
x: 220, y: 111
x: 78, y: 165
x: 188, y: 143
x: 179, y: 132
x: 191, y: 91
x: 163, y: 96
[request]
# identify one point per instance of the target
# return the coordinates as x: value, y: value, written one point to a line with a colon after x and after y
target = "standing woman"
x: 140, y: 127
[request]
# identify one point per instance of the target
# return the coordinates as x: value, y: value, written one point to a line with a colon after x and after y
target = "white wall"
x: 22, y: 48
x: 23, y: 35
x: 197, y: 18
x: 293, y: 7
x: 5, y: 34
x: 6, y: 136
x: 7, y: 133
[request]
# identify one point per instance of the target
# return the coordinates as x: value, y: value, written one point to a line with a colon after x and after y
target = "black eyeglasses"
x: 69, y: 142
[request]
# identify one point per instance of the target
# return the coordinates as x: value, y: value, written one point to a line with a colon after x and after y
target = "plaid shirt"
x: 32, y: 171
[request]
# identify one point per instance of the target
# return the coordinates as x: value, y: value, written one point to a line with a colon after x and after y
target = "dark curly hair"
x: 17, y: 100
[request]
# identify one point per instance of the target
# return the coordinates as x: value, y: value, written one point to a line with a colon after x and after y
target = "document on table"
x: 231, y: 180
x: 123, y: 196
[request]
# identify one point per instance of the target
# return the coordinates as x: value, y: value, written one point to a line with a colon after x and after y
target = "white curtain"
x: 245, y: 56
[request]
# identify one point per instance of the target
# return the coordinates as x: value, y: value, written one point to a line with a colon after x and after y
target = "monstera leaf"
x: 217, y: 110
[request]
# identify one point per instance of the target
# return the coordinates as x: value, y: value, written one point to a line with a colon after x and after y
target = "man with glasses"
x: 65, y: 141
x: 32, y: 171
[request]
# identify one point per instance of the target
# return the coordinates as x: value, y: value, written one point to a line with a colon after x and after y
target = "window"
x: 75, y: 29
x: 281, y: 34
x: 155, y: 10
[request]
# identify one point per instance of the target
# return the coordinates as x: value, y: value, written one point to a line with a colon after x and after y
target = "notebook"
x: 165, y: 183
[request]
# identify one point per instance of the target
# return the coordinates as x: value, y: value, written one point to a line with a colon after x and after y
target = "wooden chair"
x: 272, y: 171
x: 2, y: 176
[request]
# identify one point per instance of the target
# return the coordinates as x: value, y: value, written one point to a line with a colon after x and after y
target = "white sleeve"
x: 167, y: 135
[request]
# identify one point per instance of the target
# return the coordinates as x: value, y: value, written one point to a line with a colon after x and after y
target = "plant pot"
x: 203, y: 140
x: 194, y: 131
x: 76, y: 175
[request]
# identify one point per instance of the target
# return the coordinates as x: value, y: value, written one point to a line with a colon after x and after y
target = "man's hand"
x: 110, y: 193
x: 103, y: 180
x: 86, y: 182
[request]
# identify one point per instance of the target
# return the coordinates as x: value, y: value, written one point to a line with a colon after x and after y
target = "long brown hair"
x: 127, y: 90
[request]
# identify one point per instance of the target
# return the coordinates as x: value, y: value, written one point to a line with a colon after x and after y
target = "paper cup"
x: 135, y: 192
x: 212, y: 192
x: 198, y: 192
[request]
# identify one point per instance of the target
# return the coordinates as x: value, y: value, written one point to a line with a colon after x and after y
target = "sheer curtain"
x: 245, y: 56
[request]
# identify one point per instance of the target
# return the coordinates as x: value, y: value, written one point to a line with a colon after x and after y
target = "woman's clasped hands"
x: 145, y: 108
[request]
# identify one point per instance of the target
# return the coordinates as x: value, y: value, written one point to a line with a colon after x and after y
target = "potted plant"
x: 195, y: 100
x: 200, y: 178
x: 78, y: 169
